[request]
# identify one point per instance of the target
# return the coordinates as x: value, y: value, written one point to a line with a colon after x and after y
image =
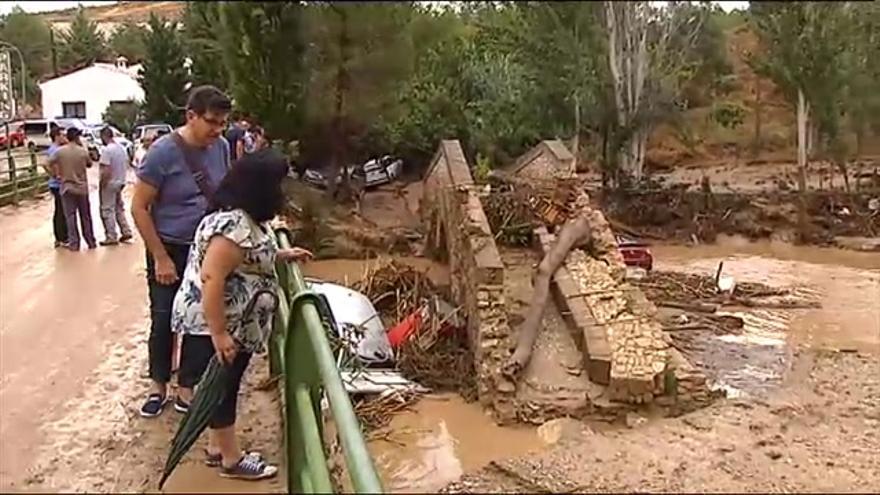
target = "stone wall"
x: 457, y: 226
x: 623, y: 344
x: 541, y: 163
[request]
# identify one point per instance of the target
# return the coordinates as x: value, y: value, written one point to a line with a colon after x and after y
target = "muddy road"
x: 73, y: 330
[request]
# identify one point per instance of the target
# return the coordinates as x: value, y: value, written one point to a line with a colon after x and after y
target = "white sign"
x: 7, y: 98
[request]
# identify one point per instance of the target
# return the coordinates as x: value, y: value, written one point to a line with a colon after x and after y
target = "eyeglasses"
x: 213, y: 122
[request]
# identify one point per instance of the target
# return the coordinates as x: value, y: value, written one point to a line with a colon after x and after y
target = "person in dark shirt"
x: 235, y: 133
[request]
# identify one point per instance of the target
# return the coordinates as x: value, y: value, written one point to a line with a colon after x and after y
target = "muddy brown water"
x: 845, y: 283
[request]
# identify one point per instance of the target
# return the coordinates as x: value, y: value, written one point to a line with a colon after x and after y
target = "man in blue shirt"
x: 59, y: 222
x: 167, y: 206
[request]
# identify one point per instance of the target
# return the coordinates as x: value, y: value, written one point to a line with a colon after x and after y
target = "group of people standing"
x: 202, y: 212
x: 245, y: 137
x: 67, y: 165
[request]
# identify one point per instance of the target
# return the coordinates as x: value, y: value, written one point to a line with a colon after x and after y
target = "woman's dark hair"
x: 254, y: 185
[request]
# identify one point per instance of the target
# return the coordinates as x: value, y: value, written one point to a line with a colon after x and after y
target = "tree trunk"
x: 757, y: 145
x: 575, y: 232
x: 576, y: 142
x: 802, y: 126
x: 339, y: 154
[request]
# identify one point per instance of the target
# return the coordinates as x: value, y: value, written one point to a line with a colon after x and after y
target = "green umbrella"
x: 209, y: 394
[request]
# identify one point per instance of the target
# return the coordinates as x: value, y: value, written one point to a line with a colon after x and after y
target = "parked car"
x: 357, y: 321
x: 374, y: 172
x: 142, y: 131
x: 15, y: 138
x: 635, y: 253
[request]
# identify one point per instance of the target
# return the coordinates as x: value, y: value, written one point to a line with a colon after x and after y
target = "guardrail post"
x: 33, y: 155
x: 14, y: 178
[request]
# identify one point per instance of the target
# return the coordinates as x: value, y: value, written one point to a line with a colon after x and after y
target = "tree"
x: 647, y: 52
x: 432, y: 99
x: 360, y: 57
x: 82, y: 43
x: 862, y: 67
x: 263, y: 46
x: 128, y: 41
x: 163, y: 74
x: 801, y: 43
x: 30, y: 34
x: 123, y: 116
x: 560, y: 45
x: 202, y: 28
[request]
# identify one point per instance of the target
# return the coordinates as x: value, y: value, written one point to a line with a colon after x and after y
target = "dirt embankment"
x: 819, y: 434
x: 694, y: 216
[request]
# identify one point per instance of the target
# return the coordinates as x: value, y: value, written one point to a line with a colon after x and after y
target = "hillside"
x: 119, y: 12
x: 706, y: 143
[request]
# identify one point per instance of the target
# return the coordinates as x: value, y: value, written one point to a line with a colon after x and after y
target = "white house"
x: 88, y: 92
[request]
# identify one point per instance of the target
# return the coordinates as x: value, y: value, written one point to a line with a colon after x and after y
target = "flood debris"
x: 429, y: 340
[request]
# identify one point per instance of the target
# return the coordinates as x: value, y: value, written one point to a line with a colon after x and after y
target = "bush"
x: 728, y: 115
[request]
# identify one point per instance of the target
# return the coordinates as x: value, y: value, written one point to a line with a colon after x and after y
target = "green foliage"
x: 482, y: 168
x: 123, y: 117
x: 861, y: 63
x: 30, y: 34
x: 263, y: 49
x: 728, y: 115
x: 163, y: 75
x: 706, y: 67
x: 202, y: 28
x: 360, y: 58
x: 128, y: 41
x: 82, y: 44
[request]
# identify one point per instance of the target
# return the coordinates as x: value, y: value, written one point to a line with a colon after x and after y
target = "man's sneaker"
x: 249, y: 468
x: 60, y: 244
x: 108, y: 242
x: 125, y: 238
x: 180, y: 405
x: 154, y: 406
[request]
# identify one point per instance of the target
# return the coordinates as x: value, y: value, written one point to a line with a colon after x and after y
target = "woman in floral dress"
x: 232, y: 262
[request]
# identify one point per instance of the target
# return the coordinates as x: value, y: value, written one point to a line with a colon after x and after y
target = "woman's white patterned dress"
x: 255, y: 273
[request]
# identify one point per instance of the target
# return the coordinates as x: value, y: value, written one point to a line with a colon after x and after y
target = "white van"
x: 36, y: 133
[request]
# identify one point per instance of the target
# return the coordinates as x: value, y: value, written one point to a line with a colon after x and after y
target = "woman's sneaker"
x: 249, y: 468
x: 153, y: 406
x: 215, y: 460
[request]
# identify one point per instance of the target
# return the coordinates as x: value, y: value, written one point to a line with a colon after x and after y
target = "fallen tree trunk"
x: 695, y: 307
x: 575, y: 232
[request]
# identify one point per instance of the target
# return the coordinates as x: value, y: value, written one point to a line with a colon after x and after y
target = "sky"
x: 30, y: 6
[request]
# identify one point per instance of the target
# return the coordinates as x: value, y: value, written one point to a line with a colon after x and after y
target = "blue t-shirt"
x: 179, y: 205
x: 54, y: 183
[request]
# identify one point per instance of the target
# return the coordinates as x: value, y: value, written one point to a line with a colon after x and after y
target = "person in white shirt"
x: 113, y: 168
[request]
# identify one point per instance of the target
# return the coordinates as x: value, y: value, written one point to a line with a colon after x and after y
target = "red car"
x: 16, y: 137
x: 635, y: 253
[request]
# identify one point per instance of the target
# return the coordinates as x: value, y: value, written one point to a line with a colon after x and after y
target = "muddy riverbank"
x: 803, y: 385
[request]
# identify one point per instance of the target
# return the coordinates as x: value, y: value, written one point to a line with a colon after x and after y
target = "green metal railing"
x: 300, y: 352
